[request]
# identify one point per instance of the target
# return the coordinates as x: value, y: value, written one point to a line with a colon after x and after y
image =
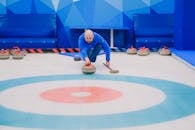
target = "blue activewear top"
x: 84, y: 46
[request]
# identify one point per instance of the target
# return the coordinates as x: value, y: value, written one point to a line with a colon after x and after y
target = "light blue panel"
x: 2, y: 7
x: 90, y: 14
x: 49, y: 3
x: 163, y: 6
x: 118, y: 4
x: 130, y: 13
x: 44, y: 7
x: 63, y: 13
x: 63, y: 9
x: 63, y: 3
x: 153, y: 2
x: 104, y: 12
x: 131, y: 7
x: 74, y: 18
x: 19, y: 6
x: 9, y: 2
x: 55, y: 4
x: 30, y: 6
x: 86, y: 9
x: 116, y: 22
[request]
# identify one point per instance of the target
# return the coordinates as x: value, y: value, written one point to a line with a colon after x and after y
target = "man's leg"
x: 95, y: 52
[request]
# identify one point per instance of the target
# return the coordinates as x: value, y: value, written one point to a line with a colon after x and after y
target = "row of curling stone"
x: 16, y: 53
x: 143, y: 51
x: 90, y: 68
x: 4, y: 54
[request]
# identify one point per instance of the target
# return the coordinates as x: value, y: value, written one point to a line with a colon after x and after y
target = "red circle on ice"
x: 81, y: 94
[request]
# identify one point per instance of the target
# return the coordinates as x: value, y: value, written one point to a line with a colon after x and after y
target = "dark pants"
x: 93, y: 52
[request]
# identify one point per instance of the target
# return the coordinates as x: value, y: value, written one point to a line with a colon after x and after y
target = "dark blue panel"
x: 154, y: 42
x: 153, y: 20
x: 154, y: 30
x: 28, y: 31
x: 3, y: 22
x: 105, y: 33
x: 69, y: 38
x: 178, y: 30
x: 43, y: 43
x: 29, y: 25
x: 184, y: 24
x: 120, y: 40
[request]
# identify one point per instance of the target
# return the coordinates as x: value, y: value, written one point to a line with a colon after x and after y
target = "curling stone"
x: 4, y: 54
x: 143, y: 51
x: 88, y: 69
x: 164, y: 51
x: 24, y: 52
x: 77, y: 58
x: 18, y: 55
x: 131, y: 50
x: 14, y: 49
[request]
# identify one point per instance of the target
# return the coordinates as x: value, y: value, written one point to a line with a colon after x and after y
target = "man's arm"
x: 107, y: 51
x: 82, y: 47
x: 83, y: 51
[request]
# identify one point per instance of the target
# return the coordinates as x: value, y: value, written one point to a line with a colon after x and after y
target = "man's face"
x: 89, y: 37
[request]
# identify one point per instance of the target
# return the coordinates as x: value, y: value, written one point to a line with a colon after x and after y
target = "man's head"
x: 88, y: 36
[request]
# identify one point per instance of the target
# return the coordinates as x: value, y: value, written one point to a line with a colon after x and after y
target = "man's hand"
x: 87, y: 61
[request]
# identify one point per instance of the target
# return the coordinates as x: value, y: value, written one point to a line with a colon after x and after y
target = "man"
x: 90, y: 44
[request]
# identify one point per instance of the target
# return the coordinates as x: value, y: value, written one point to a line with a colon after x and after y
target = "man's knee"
x: 93, y: 59
x: 95, y: 52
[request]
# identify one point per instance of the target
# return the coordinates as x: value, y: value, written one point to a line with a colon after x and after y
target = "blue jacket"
x: 84, y: 46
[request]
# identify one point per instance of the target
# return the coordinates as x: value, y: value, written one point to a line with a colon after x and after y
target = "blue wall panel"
x: 30, y: 6
x: 101, y: 15
x: 3, y: 7
x: 162, y: 6
x: 184, y: 25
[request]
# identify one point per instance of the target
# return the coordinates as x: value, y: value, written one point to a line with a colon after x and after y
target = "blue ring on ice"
x: 179, y: 102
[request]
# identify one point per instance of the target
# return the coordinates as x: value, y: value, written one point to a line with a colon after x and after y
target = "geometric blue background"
x: 88, y: 12
x: 75, y: 15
